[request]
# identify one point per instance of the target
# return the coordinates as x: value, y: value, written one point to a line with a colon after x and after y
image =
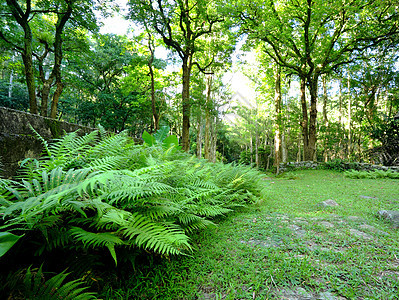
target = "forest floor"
x: 288, y: 247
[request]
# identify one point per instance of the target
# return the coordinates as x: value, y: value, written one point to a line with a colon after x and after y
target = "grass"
x: 283, y: 244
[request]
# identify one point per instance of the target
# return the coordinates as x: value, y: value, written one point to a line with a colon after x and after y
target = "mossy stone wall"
x: 17, y: 141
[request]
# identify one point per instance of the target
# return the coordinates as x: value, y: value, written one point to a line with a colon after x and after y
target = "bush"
x: 102, y: 193
x: 371, y: 175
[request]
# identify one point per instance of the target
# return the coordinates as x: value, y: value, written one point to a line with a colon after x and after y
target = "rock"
x: 354, y: 218
x: 297, y: 230
x: 327, y: 224
x: 328, y: 296
x: 328, y: 203
x: 207, y: 296
x: 372, y: 228
x: 392, y: 216
x: 297, y: 294
x: 367, y: 197
x: 360, y: 234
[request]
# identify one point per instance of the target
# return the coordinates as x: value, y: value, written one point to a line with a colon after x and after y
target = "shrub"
x: 102, y: 192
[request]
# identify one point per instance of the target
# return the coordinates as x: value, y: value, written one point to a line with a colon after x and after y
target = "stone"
x: 328, y: 296
x: 328, y: 203
x: 372, y: 228
x: 392, y: 216
x: 297, y: 294
x: 360, y: 234
x: 354, y: 218
x: 207, y: 296
x: 367, y: 197
x: 327, y: 224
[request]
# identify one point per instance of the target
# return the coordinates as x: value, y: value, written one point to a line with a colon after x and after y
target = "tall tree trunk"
x: 213, y: 139
x: 304, y: 123
x: 186, y: 105
x: 199, y: 138
x: 313, y: 89
x: 349, y: 119
x: 325, y: 99
x: 155, y: 116
x: 341, y: 127
x: 208, y: 108
x: 278, y: 117
x: 29, y: 72
x: 58, y: 58
x: 11, y: 82
x: 284, y: 153
x: 325, y: 119
x: 22, y: 19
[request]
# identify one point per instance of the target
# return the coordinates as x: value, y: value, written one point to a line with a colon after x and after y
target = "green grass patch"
x: 286, y: 242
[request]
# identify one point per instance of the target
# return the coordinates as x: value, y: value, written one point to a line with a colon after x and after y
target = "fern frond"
x: 35, y: 287
x: 95, y: 239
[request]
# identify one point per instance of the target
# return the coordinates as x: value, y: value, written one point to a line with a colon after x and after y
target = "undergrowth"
x: 289, y: 242
x: 372, y: 174
x: 98, y: 194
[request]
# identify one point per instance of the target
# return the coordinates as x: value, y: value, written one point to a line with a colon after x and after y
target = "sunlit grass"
x: 287, y: 241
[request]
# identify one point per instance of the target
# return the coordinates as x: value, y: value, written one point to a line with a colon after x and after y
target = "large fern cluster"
x: 105, y: 192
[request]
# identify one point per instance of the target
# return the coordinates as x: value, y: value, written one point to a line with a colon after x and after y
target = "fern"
x: 33, y: 285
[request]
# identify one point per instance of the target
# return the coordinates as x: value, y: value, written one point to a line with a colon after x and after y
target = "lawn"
x: 287, y: 247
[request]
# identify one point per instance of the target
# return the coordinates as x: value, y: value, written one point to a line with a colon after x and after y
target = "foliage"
x: 387, y: 134
x: 32, y: 284
x: 372, y: 175
x: 7, y: 240
x: 102, y: 192
x: 282, y: 245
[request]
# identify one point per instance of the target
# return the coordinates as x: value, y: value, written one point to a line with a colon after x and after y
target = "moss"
x: 55, y: 128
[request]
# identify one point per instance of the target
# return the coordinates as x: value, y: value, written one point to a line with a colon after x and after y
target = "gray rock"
x: 372, y: 228
x: 354, y: 218
x: 207, y: 296
x: 367, y: 197
x: 328, y: 203
x: 391, y: 216
x: 297, y: 294
x: 327, y: 224
x: 360, y: 234
x: 328, y: 296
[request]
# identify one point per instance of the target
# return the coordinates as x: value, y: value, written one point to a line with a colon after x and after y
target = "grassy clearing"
x: 284, y: 243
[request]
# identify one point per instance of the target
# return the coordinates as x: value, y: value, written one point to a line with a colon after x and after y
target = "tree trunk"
x: 11, y: 80
x: 325, y: 119
x: 349, y: 119
x: 22, y: 19
x: 313, y: 89
x: 58, y: 59
x: 284, y: 153
x: 213, y: 139
x: 304, y: 123
x: 186, y: 105
x: 325, y: 98
x: 199, y: 138
x: 155, y: 116
x: 29, y: 72
x: 45, y: 95
x: 208, y: 107
x: 278, y: 117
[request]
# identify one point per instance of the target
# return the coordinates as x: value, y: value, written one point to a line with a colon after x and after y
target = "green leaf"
x: 111, y: 249
x: 7, y: 240
x: 148, y: 138
x: 171, y: 141
x: 161, y: 134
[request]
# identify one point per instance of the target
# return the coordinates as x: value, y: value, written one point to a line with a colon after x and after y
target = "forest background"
x: 324, y: 75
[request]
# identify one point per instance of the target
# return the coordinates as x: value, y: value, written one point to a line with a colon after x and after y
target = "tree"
x: 181, y: 24
x: 313, y: 37
x: 26, y: 13
x: 22, y: 15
